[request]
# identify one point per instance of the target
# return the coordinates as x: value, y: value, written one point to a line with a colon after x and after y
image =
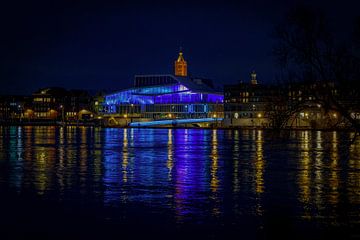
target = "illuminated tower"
x: 253, y: 78
x: 180, y: 66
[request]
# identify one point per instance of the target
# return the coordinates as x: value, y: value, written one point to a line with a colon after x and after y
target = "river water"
x: 61, y: 182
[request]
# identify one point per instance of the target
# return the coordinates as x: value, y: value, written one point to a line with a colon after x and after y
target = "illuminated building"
x: 165, y: 97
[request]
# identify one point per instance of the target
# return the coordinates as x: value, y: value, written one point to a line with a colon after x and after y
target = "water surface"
x: 96, y: 182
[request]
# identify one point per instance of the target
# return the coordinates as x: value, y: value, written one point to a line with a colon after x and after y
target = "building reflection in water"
x: 318, y: 178
x: 259, y: 171
x: 45, y: 152
x: 125, y: 156
x: 16, y: 159
x: 353, y: 172
x: 170, y: 157
x: 304, y: 176
x: 318, y: 182
x: 83, y: 158
x: 334, y: 170
x: 61, y: 165
x: 191, y: 156
x: 113, y: 165
x: 259, y: 163
x: 236, y: 156
x: 98, y: 158
x: 214, y: 182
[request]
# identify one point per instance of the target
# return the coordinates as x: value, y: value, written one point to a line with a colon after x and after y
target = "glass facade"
x: 174, y: 100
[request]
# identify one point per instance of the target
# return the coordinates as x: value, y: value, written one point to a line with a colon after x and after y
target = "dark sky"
x: 88, y: 45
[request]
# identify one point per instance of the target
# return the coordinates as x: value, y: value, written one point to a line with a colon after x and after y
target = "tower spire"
x: 253, y: 78
x: 180, y: 65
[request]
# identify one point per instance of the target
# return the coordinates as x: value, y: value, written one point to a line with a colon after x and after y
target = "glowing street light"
x: 62, y: 112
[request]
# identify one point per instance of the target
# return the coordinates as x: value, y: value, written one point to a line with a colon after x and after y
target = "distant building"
x: 48, y: 103
x: 13, y: 108
x: 247, y: 104
x: 60, y: 104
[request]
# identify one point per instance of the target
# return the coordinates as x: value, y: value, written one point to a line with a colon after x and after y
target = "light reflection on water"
x: 191, y: 175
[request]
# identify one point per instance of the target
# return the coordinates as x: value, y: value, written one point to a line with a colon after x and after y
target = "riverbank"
x: 96, y: 124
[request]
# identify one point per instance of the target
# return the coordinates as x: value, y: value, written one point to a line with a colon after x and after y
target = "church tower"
x: 253, y: 78
x: 180, y: 66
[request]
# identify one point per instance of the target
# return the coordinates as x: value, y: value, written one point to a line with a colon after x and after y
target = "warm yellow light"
x: 125, y: 115
x: 214, y: 115
x: 96, y: 103
x: 259, y: 115
x: 99, y: 117
x: 306, y: 114
x: 334, y: 115
x: 169, y: 115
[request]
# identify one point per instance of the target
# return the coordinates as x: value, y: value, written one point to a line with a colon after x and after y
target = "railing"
x: 174, y: 122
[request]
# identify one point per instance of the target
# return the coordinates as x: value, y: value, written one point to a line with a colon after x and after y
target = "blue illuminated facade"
x: 166, y: 96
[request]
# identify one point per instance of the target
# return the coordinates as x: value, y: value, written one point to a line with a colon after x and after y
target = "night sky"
x: 95, y: 46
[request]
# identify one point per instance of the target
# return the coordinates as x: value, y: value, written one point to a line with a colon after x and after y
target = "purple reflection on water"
x: 191, y: 172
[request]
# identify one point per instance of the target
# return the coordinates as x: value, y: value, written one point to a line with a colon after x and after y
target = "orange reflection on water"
x: 214, y: 183
x: 304, y: 180
x: 125, y: 157
x: 319, y: 170
x: 236, y: 181
x: 170, y: 160
x: 259, y: 163
x: 353, y: 174
x: 61, y: 164
x: 334, y: 170
x: 45, y: 155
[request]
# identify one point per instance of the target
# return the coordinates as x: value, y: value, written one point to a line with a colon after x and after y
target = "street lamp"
x: 62, y: 113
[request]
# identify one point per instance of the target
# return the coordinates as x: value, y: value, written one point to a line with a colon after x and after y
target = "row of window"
x: 44, y: 99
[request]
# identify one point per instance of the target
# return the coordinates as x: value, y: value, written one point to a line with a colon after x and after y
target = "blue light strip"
x: 174, y: 122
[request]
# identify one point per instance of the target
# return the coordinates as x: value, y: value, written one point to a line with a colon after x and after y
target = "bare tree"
x: 328, y: 66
